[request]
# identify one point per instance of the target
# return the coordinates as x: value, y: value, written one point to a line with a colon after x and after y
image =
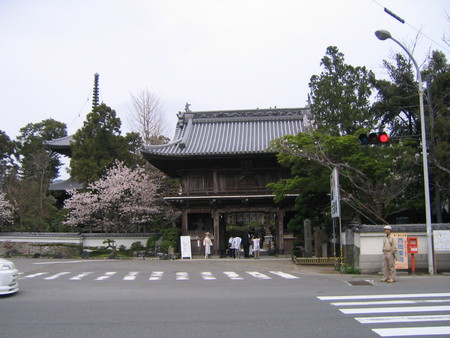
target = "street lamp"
x: 384, y: 35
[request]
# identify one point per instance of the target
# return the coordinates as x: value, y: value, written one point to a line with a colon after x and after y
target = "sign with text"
x: 441, y: 239
x: 186, y: 251
x: 402, y: 239
x: 335, y: 195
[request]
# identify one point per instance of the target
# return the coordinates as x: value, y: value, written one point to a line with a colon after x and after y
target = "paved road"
x: 217, y: 298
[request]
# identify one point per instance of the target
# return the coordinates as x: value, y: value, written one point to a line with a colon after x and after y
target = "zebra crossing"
x: 394, y: 310
x: 160, y: 275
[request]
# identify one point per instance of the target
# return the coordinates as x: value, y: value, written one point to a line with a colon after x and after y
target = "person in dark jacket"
x: 246, y: 244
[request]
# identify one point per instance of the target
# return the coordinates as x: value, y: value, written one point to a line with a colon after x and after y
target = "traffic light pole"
x: 383, y: 35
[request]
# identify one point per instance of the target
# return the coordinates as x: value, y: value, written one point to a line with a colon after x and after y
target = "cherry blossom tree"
x: 120, y: 201
x: 6, y: 210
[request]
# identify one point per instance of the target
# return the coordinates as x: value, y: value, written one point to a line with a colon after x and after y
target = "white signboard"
x: 441, y: 239
x: 185, y: 247
x: 335, y: 195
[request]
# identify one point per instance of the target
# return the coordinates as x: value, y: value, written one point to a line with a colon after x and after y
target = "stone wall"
x: 11, y: 248
x: 62, y: 245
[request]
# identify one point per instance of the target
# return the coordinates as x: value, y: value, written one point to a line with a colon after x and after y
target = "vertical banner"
x: 335, y: 194
x: 402, y: 262
x: 185, y: 247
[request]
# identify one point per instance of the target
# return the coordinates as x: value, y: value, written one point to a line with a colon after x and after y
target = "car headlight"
x: 4, y: 266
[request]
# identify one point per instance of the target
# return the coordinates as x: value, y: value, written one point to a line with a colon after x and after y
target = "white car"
x: 9, y: 277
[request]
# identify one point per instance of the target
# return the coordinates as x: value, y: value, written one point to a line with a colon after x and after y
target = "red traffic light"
x: 383, y: 138
x: 373, y: 138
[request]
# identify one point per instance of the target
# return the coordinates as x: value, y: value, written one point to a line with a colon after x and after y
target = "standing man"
x: 231, y: 247
x: 389, y: 254
x: 237, y: 247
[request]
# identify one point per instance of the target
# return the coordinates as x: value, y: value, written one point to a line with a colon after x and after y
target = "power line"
x: 403, y: 21
x: 79, y: 113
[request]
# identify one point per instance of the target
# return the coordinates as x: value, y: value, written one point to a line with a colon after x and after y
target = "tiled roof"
x: 60, y: 145
x: 370, y: 228
x: 65, y: 185
x: 219, y: 133
x: 60, y: 142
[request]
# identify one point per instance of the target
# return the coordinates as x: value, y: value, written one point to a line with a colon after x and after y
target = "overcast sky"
x: 214, y: 54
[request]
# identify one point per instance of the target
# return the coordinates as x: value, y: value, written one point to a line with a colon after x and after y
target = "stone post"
x: 307, y: 237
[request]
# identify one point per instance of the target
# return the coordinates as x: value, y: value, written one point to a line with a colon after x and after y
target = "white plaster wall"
x: 126, y: 241
x: 372, y: 243
x: 89, y: 241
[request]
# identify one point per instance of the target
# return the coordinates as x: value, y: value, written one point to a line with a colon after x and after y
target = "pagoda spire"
x: 95, y: 96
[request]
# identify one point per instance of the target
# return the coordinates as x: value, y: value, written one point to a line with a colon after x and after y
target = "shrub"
x: 348, y: 269
x: 136, y: 246
x: 170, y: 238
x: 151, y: 242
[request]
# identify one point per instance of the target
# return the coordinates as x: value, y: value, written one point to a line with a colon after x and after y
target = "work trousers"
x: 388, y: 266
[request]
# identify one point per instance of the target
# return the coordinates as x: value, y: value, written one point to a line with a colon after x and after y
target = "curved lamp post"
x: 384, y: 35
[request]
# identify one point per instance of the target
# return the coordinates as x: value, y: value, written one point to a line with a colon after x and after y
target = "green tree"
x: 7, y: 150
x: 32, y: 210
x: 375, y: 181
x: 99, y: 143
x: 340, y: 95
x: 437, y: 75
x: 397, y: 105
x: 36, y: 162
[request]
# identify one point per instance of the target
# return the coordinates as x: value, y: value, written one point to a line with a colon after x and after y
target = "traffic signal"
x: 373, y: 138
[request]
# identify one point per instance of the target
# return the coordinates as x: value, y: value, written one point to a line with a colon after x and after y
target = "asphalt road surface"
x: 217, y: 298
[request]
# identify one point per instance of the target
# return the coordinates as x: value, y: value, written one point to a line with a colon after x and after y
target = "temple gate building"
x: 223, y: 163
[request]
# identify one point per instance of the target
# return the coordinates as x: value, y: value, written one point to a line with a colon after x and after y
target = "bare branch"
x: 147, y: 116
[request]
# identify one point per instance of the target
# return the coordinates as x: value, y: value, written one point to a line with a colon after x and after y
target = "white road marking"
x: 68, y: 262
x: 395, y: 309
x: 392, y: 302
x: 284, y: 275
x: 258, y: 275
x: 35, y: 275
x: 81, y: 276
x: 57, y: 275
x: 413, y: 331
x: 402, y: 319
x: 208, y: 275
x: 233, y: 275
x: 106, y: 275
x: 389, y: 296
x: 182, y: 276
x: 156, y: 275
x: 131, y: 275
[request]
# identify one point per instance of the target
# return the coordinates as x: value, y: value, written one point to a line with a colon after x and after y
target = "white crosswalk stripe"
x: 232, y: 275
x: 403, y: 319
x: 182, y: 276
x: 36, y: 275
x: 413, y: 331
x: 258, y: 275
x: 131, y: 275
x: 206, y: 275
x: 160, y: 275
x: 156, y: 275
x: 284, y: 275
x: 81, y: 276
x: 59, y: 274
x: 107, y: 275
x: 420, y: 303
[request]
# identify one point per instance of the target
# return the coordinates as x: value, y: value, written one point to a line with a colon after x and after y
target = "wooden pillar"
x: 184, y: 222
x: 280, y: 232
x: 216, y: 228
